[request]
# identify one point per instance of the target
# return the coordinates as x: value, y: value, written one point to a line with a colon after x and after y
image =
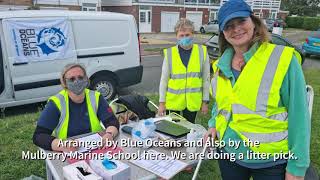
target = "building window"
x: 257, y: 14
x: 213, y: 15
x: 89, y: 7
x: 157, y: 1
x: 143, y: 16
x: 201, y: 2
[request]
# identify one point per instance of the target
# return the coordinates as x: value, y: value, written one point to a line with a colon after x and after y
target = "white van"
x: 36, y: 45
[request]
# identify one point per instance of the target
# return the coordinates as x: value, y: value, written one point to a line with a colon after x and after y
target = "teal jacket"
x: 293, y: 97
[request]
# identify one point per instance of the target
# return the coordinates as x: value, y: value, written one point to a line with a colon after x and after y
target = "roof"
x: 63, y: 13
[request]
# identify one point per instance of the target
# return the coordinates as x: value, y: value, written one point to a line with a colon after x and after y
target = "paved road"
x: 150, y: 79
x: 152, y: 72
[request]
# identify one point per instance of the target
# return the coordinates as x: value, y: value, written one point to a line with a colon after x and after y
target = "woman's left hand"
x: 204, y: 108
x: 292, y: 177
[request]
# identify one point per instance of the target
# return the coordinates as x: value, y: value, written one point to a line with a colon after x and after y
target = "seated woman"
x: 73, y: 111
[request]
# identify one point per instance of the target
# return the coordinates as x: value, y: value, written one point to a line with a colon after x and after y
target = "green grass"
x: 16, y: 130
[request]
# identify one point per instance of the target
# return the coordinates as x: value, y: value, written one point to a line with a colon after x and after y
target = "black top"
x: 185, y: 55
x: 79, y: 122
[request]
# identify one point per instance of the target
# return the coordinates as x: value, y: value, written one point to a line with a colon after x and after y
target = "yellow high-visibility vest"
x: 61, y: 100
x: 253, y: 100
x: 185, y: 84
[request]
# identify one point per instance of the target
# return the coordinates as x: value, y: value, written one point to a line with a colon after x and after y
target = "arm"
x: 293, y: 96
x: 206, y: 79
x: 205, y: 84
x: 107, y: 117
x: 164, y: 81
x: 163, y: 87
x: 47, y: 122
x: 214, y: 113
x: 42, y: 138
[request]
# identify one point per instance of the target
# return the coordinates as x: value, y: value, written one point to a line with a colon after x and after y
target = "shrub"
x: 311, y: 23
x: 295, y: 22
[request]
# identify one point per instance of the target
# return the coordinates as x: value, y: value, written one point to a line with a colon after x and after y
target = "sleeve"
x: 293, y: 96
x: 106, y: 115
x: 42, y: 138
x: 212, y: 120
x: 47, y: 122
x: 206, y: 79
x: 164, y: 81
x: 49, y: 117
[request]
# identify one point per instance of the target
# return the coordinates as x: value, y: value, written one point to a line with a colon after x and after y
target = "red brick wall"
x: 133, y: 10
x: 156, y: 15
x: 16, y: 2
x: 72, y: 8
x: 265, y: 13
x: 282, y: 15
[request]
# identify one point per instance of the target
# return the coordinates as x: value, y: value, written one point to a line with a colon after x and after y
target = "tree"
x: 301, y: 7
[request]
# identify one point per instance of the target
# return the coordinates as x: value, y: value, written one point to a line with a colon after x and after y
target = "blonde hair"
x: 184, y: 24
x: 67, y: 68
x: 260, y: 35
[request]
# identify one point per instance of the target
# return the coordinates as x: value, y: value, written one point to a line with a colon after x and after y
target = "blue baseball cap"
x: 232, y: 9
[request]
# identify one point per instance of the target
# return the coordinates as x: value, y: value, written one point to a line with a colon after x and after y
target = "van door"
x: 38, y: 50
x: 2, y: 83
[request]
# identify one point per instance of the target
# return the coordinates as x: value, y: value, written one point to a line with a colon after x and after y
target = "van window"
x: 90, y: 34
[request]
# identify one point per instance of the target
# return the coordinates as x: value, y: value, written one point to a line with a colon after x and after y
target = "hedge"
x: 307, y: 23
x: 295, y: 22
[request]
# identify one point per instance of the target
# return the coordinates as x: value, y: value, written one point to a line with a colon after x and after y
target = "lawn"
x: 17, y: 127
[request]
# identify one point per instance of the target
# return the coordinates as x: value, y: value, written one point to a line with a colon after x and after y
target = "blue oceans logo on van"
x: 40, y: 39
x: 50, y: 40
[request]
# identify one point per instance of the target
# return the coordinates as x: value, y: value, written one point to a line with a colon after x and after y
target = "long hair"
x: 260, y: 35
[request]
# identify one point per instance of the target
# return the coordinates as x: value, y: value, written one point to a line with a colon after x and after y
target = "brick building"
x: 84, y: 5
x: 161, y: 15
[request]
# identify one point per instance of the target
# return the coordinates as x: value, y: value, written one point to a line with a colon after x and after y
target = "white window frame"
x: 158, y: 1
x: 89, y: 8
x: 215, y: 15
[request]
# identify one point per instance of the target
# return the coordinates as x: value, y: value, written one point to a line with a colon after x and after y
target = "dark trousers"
x: 189, y: 115
x: 231, y: 171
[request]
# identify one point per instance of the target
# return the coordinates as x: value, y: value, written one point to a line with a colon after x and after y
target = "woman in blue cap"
x: 260, y: 101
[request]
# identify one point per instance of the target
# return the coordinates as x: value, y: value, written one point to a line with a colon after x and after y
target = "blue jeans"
x: 231, y: 171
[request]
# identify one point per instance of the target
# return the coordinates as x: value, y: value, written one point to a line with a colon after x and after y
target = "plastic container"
x: 143, y: 131
x: 192, y: 138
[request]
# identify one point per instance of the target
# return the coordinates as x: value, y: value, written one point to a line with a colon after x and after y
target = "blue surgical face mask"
x: 185, y: 41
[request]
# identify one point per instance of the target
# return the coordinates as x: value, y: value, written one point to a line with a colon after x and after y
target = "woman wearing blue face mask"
x: 259, y: 103
x: 74, y: 111
x: 184, y: 84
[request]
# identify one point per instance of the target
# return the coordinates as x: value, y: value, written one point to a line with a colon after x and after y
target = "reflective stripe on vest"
x: 61, y: 101
x: 267, y: 123
x: 185, y: 83
x: 63, y: 113
x: 262, y: 101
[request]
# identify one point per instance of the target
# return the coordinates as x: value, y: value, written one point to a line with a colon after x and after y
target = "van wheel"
x: 106, y: 86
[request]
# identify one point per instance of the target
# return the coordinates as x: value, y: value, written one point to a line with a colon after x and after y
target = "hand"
x: 105, y: 138
x: 212, y: 132
x: 292, y: 177
x: 162, y: 109
x: 204, y: 108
